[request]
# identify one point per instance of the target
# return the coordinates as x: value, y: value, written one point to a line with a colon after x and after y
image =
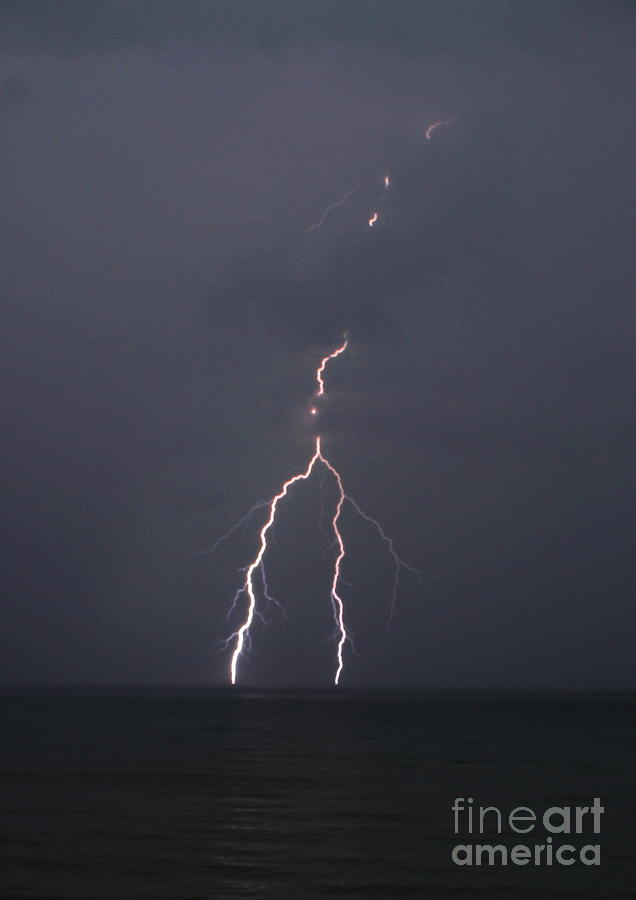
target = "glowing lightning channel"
x: 431, y: 128
x: 336, y: 599
x: 242, y: 635
x: 248, y: 515
x: 386, y: 183
x: 398, y: 562
x: 321, y: 368
x: 248, y: 586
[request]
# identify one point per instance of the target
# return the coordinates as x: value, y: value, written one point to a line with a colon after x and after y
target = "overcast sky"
x: 165, y: 304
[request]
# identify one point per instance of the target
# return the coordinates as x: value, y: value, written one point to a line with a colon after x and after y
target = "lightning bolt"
x: 431, y: 128
x: 321, y: 221
x: 241, y: 637
x: 386, y: 183
x: 323, y: 365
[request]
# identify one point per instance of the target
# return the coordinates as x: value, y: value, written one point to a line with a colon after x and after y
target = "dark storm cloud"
x: 75, y: 27
x: 14, y: 92
x: 166, y: 305
x: 472, y: 198
x: 439, y: 212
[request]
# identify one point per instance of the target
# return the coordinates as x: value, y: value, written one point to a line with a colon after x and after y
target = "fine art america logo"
x: 558, y: 822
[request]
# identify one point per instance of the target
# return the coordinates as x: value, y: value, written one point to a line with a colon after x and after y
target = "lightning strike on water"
x: 341, y: 202
x: 241, y: 637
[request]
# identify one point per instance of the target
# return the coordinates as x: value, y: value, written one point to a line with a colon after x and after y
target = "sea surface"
x: 302, y: 795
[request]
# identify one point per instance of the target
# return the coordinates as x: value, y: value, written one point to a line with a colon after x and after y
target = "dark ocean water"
x: 305, y: 795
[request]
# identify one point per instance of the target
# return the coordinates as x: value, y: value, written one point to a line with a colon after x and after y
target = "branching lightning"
x: 250, y: 589
x: 241, y: 638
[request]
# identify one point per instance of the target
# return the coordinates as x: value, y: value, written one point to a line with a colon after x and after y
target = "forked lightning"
x: 241, y: 637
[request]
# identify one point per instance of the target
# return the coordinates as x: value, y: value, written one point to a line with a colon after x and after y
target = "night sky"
x: 164, y: 307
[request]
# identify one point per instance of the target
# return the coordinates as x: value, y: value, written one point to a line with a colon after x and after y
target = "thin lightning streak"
x: 235, y: 599
x: 431, y: 128
x: 242, y: 637
x: 331, y: 206
x: 271, y: 600
x: 376, y: 214
x: 248, y: 515
x: 398, y: 562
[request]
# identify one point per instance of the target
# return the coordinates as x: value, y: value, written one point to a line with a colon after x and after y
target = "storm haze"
x: 166, y: 302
